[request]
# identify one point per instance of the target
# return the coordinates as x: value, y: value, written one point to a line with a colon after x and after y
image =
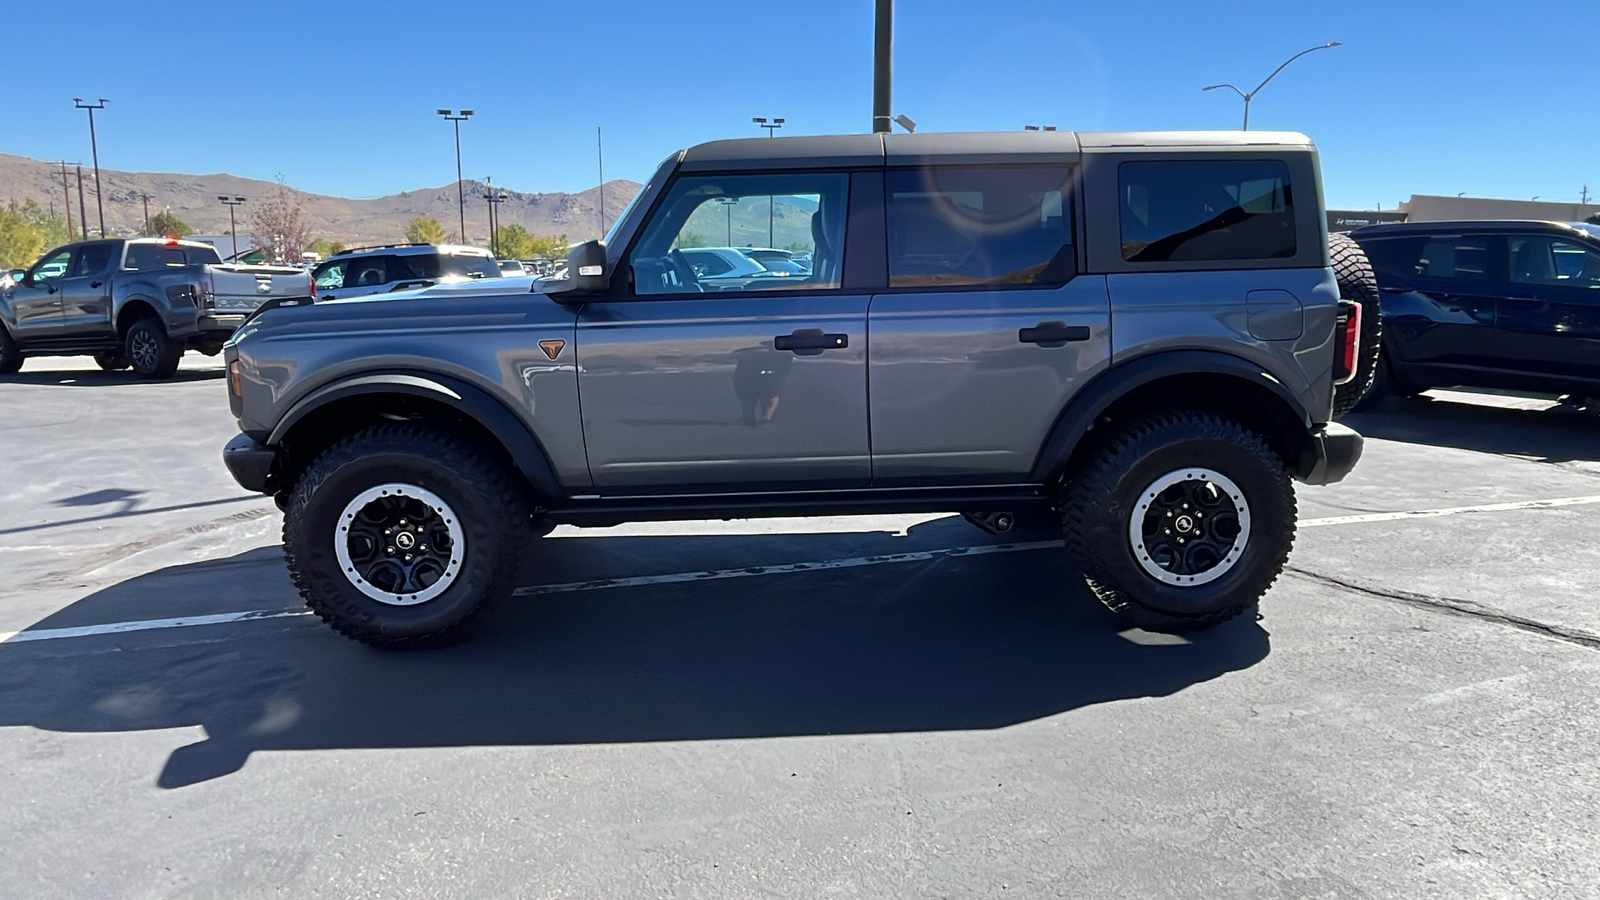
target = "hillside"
x: 193, y: 198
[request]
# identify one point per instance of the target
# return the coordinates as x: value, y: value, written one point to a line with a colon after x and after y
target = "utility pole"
x: 146, y: 198
x: 461, y: 192
x: 882, y: 67
x: 495, y: 198
x: 1585, y: 200
x: 600, y: 148
x: 94, y: 148
x: 233, y: 229
x: 83, y: 211
x: 66, y: 191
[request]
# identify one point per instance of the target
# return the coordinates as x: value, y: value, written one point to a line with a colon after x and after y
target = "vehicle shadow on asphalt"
x: 1548, y: 435
x: 97, y: 378
x: 975, y: 642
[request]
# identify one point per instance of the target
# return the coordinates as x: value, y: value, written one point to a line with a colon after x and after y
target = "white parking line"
x: 49, y: 634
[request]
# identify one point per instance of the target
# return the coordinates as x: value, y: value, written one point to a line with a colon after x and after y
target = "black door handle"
x: 1053, y: 333
x: 810, y: 341
x: 94, y: 284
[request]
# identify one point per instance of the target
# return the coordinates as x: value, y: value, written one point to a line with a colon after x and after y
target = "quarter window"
x: 1206, y: 210
x: 964, y: 227
x: 718, y: 214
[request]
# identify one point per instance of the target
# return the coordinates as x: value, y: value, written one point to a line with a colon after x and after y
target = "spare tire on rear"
x: 1357, y: 284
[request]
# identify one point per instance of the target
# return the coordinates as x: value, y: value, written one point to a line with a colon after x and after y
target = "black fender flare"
x: 1098, y: 395
x: 525, y: 450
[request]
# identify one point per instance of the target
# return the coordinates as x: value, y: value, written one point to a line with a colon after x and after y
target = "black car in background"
x: 1508, y: 305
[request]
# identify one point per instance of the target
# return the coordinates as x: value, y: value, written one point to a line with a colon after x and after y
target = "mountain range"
x: 193, y: 198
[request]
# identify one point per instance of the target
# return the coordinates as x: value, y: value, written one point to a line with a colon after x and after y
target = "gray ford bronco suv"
x: 1136, y: 334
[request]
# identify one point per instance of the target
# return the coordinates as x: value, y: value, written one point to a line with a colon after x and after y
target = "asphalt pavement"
x: 893, y: 706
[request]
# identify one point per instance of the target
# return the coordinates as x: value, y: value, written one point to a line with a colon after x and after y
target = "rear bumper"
x: 1334, y: 450
x: 251, y: 463
x: 220, y: 324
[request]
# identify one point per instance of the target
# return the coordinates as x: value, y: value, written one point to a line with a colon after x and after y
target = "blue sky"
x: 1488, y: 98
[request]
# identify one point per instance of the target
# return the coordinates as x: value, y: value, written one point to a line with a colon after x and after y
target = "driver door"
x: 37, y: 305
x: 758, y: 384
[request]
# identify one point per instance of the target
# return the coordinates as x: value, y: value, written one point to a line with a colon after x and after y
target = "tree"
x: 423, y: 230
x: 21, y: 241
x: 165, y: 224
x: 513, y: 242
x: 326, y: 249
x: 279, y: 229
x: 551, y: 247
x: 52, y: 227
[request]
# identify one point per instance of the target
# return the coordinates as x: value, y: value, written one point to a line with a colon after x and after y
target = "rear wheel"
x: 10, y: 353
x: 152, y: 353
x: 1357, y: 284
x: 1180, y: 520
x: 401, y: 535
x: 111, y: 360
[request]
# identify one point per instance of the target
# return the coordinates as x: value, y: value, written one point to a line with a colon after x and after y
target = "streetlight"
x: 729, y: 203
x: 772, y: 128
x: 1251, y: 95
x: 1038, y: 128
x: 231, y: 202
x: 95, y: 149
x: 461, y: 192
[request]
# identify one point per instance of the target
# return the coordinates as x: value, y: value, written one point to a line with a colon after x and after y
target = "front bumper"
x: 1334, y: 450
x: 252, y: 464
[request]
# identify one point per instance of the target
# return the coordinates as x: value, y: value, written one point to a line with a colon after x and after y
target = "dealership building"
x: 1428, y: 208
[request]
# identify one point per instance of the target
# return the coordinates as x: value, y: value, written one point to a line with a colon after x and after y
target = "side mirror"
x: 586, y: 267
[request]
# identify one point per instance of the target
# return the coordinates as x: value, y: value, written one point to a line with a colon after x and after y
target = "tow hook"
x: 992, y: 522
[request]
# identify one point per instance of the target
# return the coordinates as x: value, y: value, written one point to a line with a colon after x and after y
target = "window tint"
x: 1206, y: 210
x: 53, y: 266
x: 1395, y: 256
x: 93, y: 259
x: 468, y: 267
x: 958, y: 226
x: 1454, y: 257
x: 1537, y: 259
x: 329, y: 275
x: 803, y: 211
x: 367, y: 271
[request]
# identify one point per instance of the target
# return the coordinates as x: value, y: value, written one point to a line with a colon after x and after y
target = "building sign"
x: 1346, y: 219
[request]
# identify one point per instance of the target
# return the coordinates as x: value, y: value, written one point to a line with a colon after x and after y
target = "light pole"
x: 94, y: 149
x: 495, y: 198
x: 729, y: 203
x: 1038, y: 128
x: 772, y: 127
x: 600, y: 151
x: 461, y: 192
x: 231, y: 202
x: 882, y: 66
x: 1251, y: 95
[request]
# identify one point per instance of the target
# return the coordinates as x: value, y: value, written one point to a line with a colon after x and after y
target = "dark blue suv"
x: 1509, y: 305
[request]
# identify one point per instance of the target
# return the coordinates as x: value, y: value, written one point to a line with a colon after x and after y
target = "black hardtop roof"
x: 1466, y: 226
x: 842, y: 150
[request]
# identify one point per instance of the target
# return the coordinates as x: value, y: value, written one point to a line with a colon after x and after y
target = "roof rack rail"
x: 383, y: 247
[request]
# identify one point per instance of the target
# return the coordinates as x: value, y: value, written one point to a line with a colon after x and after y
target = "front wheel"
x: 1180, y: 520
x: 10, y: 353
x: 399, y: 535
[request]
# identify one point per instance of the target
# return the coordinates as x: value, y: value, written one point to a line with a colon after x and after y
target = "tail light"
x: 1349, y: 343
x: 207, y: 291
x: 313, y: 292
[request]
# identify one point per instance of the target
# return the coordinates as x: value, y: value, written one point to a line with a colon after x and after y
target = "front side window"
x: 720, y: 213
x: 1538, y: 259
x: 329, y: 275
x: 952, y: 227
x: 53, y: 266
x: 1206, y: 210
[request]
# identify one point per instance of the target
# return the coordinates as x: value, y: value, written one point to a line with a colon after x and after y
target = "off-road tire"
x: 1358, y: 284
x: 150, y: 350
x: 1101, y: 498
x: 478, y: 487
x: 10, y: 353
x: 111, y: 360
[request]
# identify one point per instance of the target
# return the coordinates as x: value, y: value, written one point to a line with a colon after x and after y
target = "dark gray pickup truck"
x: 138, y: 302
x: 1138, y: 336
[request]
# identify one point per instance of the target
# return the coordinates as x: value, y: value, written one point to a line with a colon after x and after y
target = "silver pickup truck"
x: 139, y: 302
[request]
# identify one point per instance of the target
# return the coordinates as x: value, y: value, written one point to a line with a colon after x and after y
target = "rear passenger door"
x: 986, y: 328
x: 86, y: 291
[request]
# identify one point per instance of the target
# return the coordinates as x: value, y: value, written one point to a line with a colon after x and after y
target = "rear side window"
x: 93, y: 259
x: 367, y: 271
x: 470, y: 266
x: 1206, y: 210
x: 1395, y: 256
x: 1454, y: 257
x: 980, y: 226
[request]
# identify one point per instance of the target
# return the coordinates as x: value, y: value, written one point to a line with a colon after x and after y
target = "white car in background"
x: 728, y: 268
x: 399, y: 267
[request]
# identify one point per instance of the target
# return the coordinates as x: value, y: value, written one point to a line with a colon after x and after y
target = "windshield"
x: 611, y: 232
x: 470, y: 266
x: 1593, y: 230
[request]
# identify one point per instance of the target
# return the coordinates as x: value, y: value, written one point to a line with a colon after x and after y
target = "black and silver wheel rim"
x: 1189, y: 527
x: 142, y: 349
x: 399, y: 544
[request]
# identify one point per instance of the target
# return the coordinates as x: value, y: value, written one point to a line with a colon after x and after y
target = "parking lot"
x: 878, y: 707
